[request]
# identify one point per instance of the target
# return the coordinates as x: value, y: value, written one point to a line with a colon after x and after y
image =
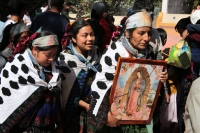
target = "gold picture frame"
x: 135, y: 90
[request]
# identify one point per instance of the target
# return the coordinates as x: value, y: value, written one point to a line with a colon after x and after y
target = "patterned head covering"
x: 139, y: 19
x: 50, y: 40
x: 18, y: 28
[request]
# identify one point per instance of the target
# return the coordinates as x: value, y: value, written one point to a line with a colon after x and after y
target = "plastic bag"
x: 180, y: 55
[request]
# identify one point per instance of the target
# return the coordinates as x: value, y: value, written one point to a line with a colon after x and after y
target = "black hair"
x: 41, y: 34
x: 94, y: 15
x: 163, y: 35
x: 16, y: 7
x: 76, y: 26
x: 130, y: 32
x: 26, y: 10
x: 181, y: 25
x: 46, y: 48
x: 57, y: 3
x: 6, y: 37
x: 16, y: 38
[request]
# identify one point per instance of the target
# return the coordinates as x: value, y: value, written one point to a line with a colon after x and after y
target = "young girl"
x: 78, y: 64
x: 29, y: 82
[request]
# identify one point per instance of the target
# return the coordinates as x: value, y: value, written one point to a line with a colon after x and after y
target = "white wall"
x: 164, y: 6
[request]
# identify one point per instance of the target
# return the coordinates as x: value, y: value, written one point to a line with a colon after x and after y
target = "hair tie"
x: 65, y: 40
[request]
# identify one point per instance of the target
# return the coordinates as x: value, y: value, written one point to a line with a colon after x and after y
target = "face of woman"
x: 139, y: 75
x: 44, y: 58
x: 140, y: 37
x: 23, y: 36
x: 84, y: 39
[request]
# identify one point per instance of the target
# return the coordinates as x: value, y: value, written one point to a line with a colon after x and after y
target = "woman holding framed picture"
x: 134, y: 42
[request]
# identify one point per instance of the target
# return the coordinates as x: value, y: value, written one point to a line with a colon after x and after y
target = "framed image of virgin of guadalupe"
x: 135, y: 90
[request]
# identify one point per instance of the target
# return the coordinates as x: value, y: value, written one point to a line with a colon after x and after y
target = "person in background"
x: 80, y: 12
x: 131, y: 44
x: 26, y: 18
x: 165, y: 114
x: 97, y: 10
x: 79, y: 62
x: 163, y: 35
x: 189, y: 31
x: 30, y: 99
x: 14, y: 36
x: 16, y: 10
x: 44, y: 8
x: 66, y: 10
x: 52, y: 21
x: 183, y: 27
x: 109, y: 28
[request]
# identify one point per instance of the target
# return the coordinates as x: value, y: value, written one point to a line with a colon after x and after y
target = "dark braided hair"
x: 6, y: 37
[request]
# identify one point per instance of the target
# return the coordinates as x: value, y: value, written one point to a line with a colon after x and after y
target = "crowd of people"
x: 56, y: 75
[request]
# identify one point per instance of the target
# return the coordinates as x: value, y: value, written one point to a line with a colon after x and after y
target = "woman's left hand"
x: 164, y: 76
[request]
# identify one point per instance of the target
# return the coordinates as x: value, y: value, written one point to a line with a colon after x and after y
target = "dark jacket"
x: 51, y: 21
x: 193, y: 41
x: 99, y: 33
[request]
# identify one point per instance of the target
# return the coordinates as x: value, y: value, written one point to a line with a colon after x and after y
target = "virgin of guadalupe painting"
x: 135, y: 90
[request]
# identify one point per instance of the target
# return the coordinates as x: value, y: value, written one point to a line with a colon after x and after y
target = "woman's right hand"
x: 111, y: 120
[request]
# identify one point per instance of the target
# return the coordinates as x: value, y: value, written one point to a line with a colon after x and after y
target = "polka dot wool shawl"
x: 106, y: 70
x: 21, y: 88
x: 70, y: 67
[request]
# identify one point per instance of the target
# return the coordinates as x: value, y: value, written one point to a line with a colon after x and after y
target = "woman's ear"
x: 74, y: 40
x: 34, y: 50
x: 127, y: 34
x: 165, y: 41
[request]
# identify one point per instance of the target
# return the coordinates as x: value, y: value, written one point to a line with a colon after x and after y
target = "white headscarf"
x: 139, y: 19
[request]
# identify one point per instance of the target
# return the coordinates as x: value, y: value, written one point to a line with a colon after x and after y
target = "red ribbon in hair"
x: 21, y: 46
x: 116, y: 34
x: 65, y: 39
